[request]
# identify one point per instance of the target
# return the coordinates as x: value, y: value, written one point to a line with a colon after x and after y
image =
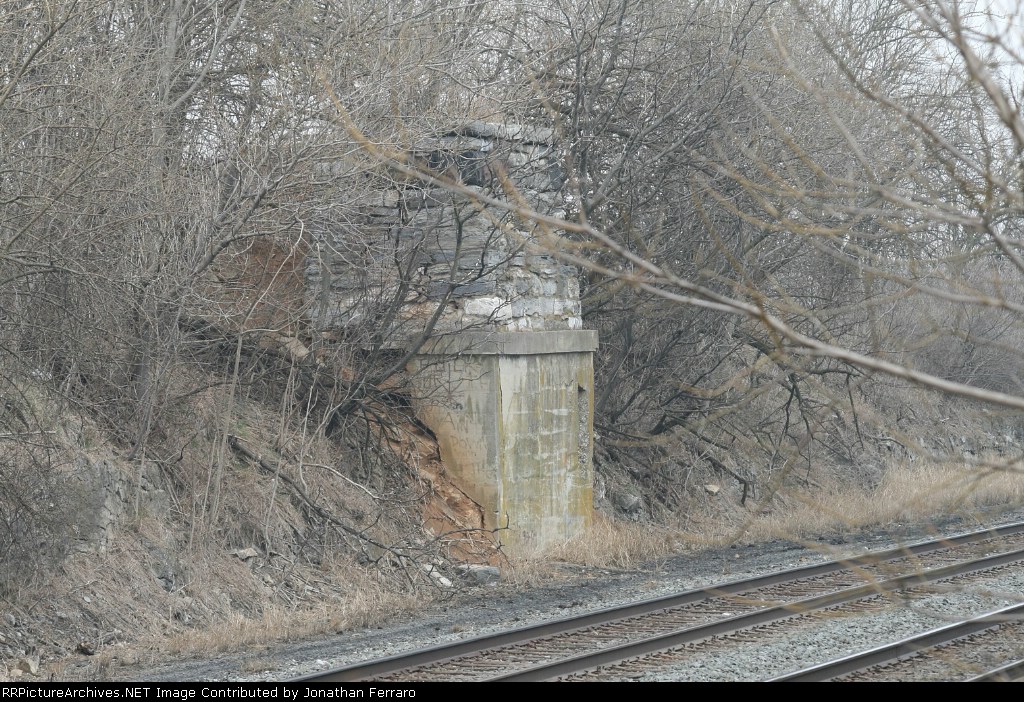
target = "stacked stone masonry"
x: 427, y: 246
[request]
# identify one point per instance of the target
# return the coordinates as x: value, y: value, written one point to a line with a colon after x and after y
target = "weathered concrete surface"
x: 460, y: 402
x: 547, y: 485
x: 514, y: 419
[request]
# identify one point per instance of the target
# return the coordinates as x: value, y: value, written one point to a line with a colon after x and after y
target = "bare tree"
x: 164, y: 167
x: 795, y: 198
x: 772, y: 202
x: 851, y: 205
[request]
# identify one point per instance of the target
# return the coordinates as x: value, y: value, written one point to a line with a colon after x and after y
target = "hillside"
x: 230, y: 234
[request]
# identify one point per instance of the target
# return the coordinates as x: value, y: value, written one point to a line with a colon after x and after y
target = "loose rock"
x: 480, y: 574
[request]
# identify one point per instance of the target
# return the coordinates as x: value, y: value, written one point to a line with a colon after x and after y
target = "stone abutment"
x: 503, y: 368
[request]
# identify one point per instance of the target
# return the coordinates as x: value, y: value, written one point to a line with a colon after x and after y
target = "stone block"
x: 437, y: 290
x: 487, y: 307
x: 373, y: 215
x: 508, y: 132
x: 416, y: 199
x: 439, y: 236
x: 480, y: 574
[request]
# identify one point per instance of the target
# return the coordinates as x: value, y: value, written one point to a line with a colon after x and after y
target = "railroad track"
x: 962, y: 647
x: 628, y: 642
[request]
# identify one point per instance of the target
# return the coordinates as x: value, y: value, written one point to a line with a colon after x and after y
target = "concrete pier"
x: 514, y: 413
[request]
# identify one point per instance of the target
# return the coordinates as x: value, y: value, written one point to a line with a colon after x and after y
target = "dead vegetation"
x: 238, y: 530
x: 281, y: 545
x: 186, y: 466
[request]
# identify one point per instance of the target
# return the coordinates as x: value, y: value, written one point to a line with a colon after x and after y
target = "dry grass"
x: 365, y: 606
x: 606, y: 544
x: 230, y: 612
x: 114, y: 601
x: 168, y: 580
x: 233, y: 616
x: 909, y: 493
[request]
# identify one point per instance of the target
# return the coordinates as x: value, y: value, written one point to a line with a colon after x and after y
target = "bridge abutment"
x: 505, y: 381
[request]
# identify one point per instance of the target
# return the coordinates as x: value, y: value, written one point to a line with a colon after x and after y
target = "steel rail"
x: 467, y: 647
x: 1005, y: 673
x: 902, y: 649
x: 663, y: 642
